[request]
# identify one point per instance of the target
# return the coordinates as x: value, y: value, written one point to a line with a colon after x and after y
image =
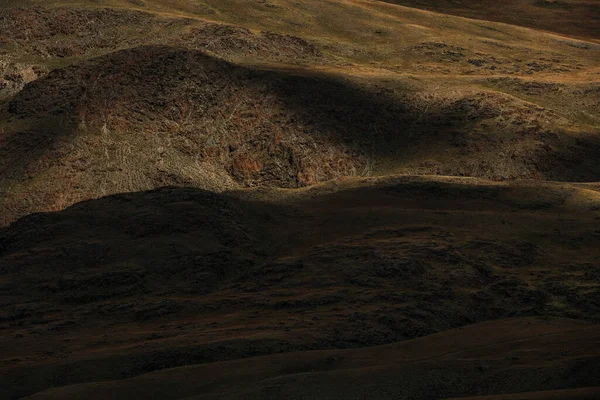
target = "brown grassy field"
x: 340, y: 199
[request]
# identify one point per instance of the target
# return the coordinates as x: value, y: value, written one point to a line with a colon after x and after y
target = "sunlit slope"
x: 379, y: 33
x: 280, y: 94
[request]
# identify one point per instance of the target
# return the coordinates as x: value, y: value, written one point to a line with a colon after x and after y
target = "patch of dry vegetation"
x: 181, y: 276
x: 139, y: 97
x: 155, y: 115
x: 14, y: 76
x: 578, y: 18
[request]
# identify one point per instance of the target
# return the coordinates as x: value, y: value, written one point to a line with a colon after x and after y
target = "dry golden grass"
x: 431, y: 94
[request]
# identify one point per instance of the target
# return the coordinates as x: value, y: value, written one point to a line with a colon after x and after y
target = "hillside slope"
x: 127, y: 284
x: 91, y: 109
x: 504, y: 356
x: 319, y: 198
x: 577, y: 18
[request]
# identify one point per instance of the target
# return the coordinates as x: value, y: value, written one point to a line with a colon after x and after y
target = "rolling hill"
x: 128, y: 284
x: 578, y: 18
x: 92, y: 109
x: 506, y: 354
x: 309, y: 199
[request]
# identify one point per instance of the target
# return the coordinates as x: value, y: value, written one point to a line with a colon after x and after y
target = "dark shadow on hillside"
x: 572, y: 159
x: 389, y: 263
x: 574, y: 18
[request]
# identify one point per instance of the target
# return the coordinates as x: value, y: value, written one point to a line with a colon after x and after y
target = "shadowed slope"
x: 504, y: 356
x: 586, y: 393
x: 181, y: 276
x: 101, y: 97
x: 578, y: 18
